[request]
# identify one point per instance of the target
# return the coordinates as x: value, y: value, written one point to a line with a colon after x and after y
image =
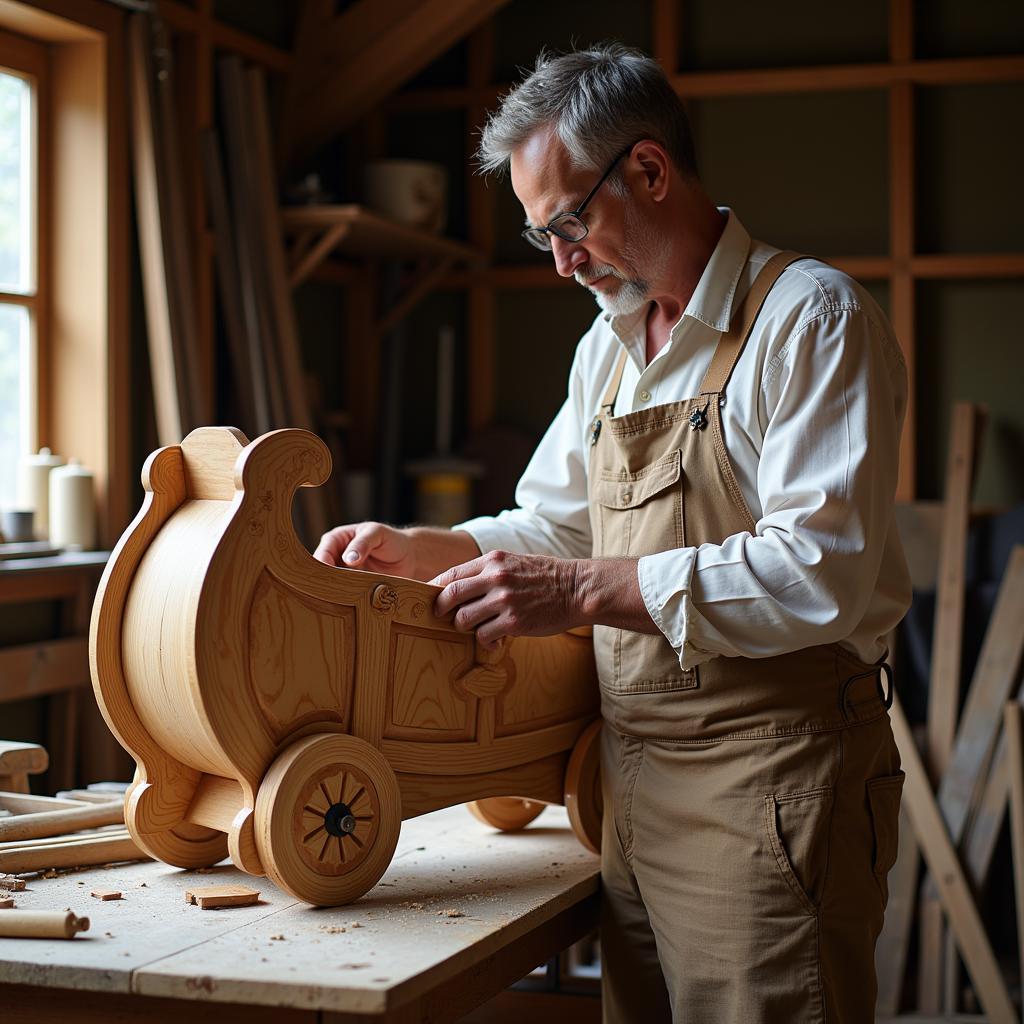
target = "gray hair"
x: 599, y: 101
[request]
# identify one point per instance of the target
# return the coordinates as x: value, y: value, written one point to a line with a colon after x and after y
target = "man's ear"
x: 653, y: 163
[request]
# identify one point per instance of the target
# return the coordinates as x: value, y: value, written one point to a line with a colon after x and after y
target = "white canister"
x: 72, y: 507
x: 34, y: 488
x: 411, y: 192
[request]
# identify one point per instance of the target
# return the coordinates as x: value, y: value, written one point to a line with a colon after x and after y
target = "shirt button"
x: 645, y: 396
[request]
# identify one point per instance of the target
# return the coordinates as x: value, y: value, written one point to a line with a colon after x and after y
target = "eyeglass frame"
x: 548, y: 230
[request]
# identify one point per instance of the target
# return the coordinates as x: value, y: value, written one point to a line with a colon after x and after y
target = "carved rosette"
x: 384, y: 598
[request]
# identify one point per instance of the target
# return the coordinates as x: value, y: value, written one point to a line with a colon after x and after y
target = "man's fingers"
x: 367, y: 538
x: 333, y: 543
x: 458, y: 572
x: 459, y: 591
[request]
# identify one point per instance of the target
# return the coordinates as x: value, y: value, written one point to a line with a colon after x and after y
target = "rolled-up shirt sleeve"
x: 551, y: 517
x: 833, y: 401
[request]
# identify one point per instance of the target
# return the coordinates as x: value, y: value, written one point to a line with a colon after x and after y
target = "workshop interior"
x: 289, y: 289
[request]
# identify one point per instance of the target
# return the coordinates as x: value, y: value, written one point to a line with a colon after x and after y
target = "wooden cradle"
x: 291, y: 713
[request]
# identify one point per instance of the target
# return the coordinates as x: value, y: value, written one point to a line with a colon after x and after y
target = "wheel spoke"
x: 361, y: 792
x: 341, y: 849
x: 315, y: 810
x: 341, y: 787
x: 326, y: 793
x: 323, y: 849
x: 309, y: 835
x: 355, y: 839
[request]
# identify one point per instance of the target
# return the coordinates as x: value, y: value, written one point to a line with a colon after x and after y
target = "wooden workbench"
x: 401, y: 953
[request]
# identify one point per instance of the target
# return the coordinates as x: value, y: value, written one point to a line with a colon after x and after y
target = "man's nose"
x: 569, y: 256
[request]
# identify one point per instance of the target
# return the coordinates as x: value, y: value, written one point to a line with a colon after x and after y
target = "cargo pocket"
x: 640, y: 514
x: 798, y: 828
x: 884, y: 806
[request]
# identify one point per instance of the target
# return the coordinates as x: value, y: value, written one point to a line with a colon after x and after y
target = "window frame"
x: 31, y: 60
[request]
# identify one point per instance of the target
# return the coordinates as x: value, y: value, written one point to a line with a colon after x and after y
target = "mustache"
x: 595, y: 274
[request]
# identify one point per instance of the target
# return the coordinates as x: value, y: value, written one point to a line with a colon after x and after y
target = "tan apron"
x: 750, y: 805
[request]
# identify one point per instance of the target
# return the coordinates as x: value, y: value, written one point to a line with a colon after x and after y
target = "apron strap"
x: 612, y: 394
x: 730, y: 345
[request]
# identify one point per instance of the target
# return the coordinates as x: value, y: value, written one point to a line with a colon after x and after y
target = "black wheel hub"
x: 339, y: 820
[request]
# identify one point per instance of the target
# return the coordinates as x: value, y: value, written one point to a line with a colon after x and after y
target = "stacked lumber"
x: 960, y: 774
x: 75, y: 829
x: 255, y: 299
x: 252, y: 275
x: 164, y: 243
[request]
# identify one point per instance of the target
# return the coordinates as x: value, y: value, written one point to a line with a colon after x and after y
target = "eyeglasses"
x: 569, y: 225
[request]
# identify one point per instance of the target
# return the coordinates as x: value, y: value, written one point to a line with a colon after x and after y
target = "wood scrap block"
x: 209, y: 897
x: 12, y: 883
x: 6, y: 902
x: 106, y: 894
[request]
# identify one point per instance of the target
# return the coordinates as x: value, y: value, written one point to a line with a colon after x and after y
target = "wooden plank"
x: 995, y: 678
x: 170, y: 394
x: 953, y: 71
x: 180, y: 255
x: 944, y: 865
x: 945, y: 679
x: 258, y: 318
x: 252, y: 395
x: 1013, y: 718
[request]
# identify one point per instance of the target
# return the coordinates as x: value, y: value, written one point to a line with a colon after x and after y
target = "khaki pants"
x: 745, y: 879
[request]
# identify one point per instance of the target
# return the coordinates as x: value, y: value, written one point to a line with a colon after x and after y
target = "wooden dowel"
x: 25, y: 803
x: 42, y: 924
x: 55, y: 823
x: 75, y: 837
x: 85, y: 853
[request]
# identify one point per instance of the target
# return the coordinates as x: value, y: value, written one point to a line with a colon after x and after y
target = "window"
x: 20, y: 71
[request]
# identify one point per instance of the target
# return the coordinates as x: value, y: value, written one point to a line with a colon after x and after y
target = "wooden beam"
x: 429, y: 29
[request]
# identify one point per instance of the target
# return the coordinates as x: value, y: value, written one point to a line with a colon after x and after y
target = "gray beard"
x: 631, y: 297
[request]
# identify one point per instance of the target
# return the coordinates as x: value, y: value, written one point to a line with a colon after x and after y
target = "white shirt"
x: 812, y: 424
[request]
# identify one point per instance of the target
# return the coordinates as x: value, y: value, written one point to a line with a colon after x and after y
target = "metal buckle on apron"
x: 699, y: 417
x: 884, y: 693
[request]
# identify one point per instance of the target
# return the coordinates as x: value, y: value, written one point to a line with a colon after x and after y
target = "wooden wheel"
x: 508, y: 813
x: 583, y: 798
x: 328, y: 814
x: 184, y: 846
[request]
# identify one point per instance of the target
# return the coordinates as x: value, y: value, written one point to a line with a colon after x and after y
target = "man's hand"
x: 417, y: 552
x: 370, y: 546
x: 502, y: 594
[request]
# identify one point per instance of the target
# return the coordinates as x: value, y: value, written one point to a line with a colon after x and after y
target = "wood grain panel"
x: 301, y: 658
x: 424, y: 703
x: 554, y: 681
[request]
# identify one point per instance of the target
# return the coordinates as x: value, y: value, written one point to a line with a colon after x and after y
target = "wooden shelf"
x: 352, y: 229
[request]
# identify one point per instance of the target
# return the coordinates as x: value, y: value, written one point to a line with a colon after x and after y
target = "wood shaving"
x: 451, y: 912
x: 277, y: 938
x: 332, y: 929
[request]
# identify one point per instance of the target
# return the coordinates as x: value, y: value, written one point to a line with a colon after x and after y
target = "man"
x: 716, y: 498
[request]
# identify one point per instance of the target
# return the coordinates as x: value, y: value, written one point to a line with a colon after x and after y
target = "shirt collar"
x: 713, y: 298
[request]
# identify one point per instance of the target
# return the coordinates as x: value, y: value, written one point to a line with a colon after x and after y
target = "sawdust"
x: 450, y: 912
x: 332, y: 929
x: 277, y: 938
